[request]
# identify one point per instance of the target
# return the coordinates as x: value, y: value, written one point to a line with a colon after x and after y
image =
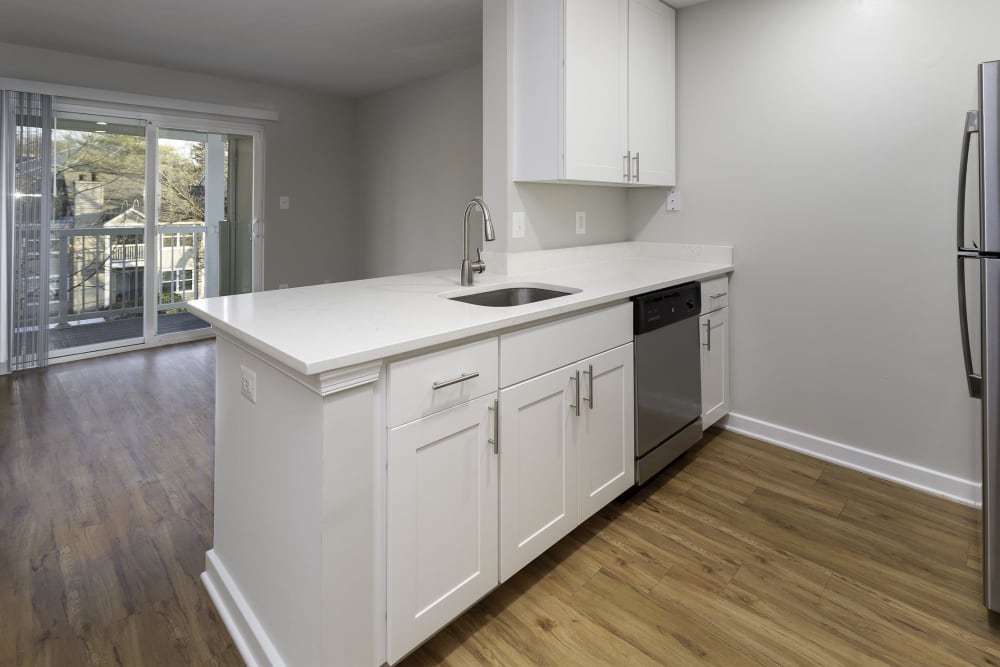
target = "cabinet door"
x: 442, y: 521
x: 538, y: 467
x: 606, y: 432
x: 651, y: 92
x: 714, y: 366
x: 595, y: 90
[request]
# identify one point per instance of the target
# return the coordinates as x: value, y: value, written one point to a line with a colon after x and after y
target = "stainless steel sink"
x: 512, y: 296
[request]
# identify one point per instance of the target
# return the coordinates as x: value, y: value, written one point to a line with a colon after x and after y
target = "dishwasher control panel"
x: 658, y: 309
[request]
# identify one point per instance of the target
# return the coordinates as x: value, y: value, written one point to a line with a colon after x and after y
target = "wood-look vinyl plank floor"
x: 741, y: 554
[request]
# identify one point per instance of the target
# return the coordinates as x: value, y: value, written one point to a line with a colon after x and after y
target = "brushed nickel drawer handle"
x: 461, y: 378
x: 716, y: 296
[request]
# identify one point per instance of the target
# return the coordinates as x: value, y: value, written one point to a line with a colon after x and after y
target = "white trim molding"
x: 151, y: 101
x: 248, y: 634
x: 964, y: 491
x: 342, y: 379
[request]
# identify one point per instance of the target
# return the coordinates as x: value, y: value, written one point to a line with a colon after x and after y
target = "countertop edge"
x: 451, y: 335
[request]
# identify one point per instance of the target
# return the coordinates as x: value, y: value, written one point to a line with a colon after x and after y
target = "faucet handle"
x: 479, y: 265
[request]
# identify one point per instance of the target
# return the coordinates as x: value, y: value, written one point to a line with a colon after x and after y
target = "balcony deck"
x: 99, y: 333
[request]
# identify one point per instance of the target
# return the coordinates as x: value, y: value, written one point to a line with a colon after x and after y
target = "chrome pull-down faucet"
x: 470, y: 267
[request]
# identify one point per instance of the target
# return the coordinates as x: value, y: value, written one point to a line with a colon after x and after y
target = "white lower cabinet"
x: 538, y: 468
x: 442, y: 520
x: 714, y: 366
x: 606, y: 429
x: 478, y: 490
x: 566, y: 450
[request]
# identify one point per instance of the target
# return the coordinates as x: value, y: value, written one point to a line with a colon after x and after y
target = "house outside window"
x: 178, y: 240
x: 179, y: 280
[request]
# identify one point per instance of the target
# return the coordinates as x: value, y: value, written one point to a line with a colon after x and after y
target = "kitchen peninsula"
x: 328, y: 495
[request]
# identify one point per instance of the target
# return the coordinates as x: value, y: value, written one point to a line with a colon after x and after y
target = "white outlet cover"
x: 248, y: 383
x: 581, y: 222
x: 283, y: 202
x: 519, y: 224
x: 674, y: 202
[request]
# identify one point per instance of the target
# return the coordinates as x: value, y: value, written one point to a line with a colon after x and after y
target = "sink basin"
x: 513, y: 296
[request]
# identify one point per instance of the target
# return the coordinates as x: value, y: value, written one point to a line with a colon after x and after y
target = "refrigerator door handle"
x: 975, y: 381
x: 971, y: 126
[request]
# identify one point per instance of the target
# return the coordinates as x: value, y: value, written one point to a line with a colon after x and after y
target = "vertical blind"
x: 26, y: 189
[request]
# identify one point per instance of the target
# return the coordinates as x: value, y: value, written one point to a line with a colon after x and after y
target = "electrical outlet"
x: 248, y: 383
x: 283, y: 286
x: 519, y: 224
x: 283, y: 202
x: 674, y: 200
x: 581, y: 222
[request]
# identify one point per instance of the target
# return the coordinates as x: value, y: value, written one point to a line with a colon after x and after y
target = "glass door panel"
x: 236, y: 248
x: 97, y: 234
x: 203, y: 226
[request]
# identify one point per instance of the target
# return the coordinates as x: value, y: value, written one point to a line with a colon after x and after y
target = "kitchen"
x: 820, y: 142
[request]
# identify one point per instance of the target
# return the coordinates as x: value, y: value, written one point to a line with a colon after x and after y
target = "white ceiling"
x: 349, y: 47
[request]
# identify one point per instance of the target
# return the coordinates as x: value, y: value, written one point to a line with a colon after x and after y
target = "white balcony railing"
x: 99, y: 273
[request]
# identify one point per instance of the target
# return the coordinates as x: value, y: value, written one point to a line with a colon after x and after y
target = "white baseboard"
x: 248, y: 634
x: 964, y: 491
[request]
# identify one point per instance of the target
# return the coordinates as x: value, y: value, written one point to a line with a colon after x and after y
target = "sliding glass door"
x: 97, y: 234
x: 204, y: 221
x: 120, y: 222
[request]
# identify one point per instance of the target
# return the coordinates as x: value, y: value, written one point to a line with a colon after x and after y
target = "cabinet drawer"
x: 714, y: 294
x: 412, y: 381
x: 530, y: 352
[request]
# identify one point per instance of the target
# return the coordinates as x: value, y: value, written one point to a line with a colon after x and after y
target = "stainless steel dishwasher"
x: 667, y: 376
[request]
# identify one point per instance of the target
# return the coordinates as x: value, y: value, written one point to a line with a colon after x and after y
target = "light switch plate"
x: 519, y: 223
x: 283, y: 202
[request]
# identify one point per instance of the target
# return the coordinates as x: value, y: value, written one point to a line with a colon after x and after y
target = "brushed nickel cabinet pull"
x: 590, y: 382
x: 495, y: 440
x: 576, y: 379
x: 461, y: 378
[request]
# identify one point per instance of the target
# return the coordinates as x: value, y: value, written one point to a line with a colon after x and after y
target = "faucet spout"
x: 470, y: 267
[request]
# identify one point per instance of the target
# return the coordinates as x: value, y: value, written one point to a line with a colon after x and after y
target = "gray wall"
x: 551, y: 215
x: 420, y: 154
x: 821, y: 139
x: 309, y: 154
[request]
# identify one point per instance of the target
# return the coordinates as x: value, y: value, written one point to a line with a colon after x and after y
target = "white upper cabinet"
x: 593, y: 90
x: 596, y: 95
x: 651, y: 92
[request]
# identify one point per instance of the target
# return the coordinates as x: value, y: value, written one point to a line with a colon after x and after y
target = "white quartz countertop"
x: 326, y: 327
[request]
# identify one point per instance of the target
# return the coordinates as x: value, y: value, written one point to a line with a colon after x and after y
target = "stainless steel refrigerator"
x: 979, y: 252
